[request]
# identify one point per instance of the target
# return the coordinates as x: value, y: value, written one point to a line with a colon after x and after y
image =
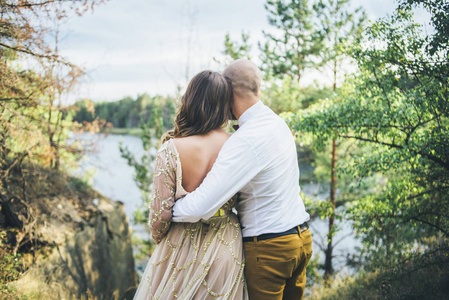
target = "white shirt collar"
x: 250, y: 112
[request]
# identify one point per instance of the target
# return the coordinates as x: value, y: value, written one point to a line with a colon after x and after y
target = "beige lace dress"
x: 202, y: 260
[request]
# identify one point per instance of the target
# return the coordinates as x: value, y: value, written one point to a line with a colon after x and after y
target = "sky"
x: 133, y: 47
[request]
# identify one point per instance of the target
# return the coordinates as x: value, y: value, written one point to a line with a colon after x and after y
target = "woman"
x: 201, y: 260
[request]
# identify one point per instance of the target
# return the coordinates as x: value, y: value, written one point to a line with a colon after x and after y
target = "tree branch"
x: 428, y: 155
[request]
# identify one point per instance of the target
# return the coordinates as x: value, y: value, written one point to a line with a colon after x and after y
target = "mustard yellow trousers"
x: 276, y: 268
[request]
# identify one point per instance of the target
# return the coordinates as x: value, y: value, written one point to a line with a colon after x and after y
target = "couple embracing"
x: 204, y: 250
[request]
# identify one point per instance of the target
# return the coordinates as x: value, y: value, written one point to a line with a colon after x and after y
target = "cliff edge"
x: 70, y: 241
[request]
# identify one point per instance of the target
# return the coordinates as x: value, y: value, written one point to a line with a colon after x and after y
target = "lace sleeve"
x: 163, y: 193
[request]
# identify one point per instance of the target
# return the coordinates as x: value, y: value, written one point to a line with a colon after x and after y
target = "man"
x: 259, y: 161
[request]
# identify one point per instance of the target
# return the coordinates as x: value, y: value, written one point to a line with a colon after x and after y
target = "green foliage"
x: 292, y: 49
x: 398, y: 106
x: 285, y: 95
x: 439, y: 40
x: 313, y: 271
x: 413, y: 277
x: 316, y: 36
x: 145, y: 246
x: 125, y: 131
x: 126, y: 112
x: 10, y: 264
x: 10, y: 267
x: 339, y: 26
x: 234, y: 50
x: 34, y: 80
x: 152, y: 129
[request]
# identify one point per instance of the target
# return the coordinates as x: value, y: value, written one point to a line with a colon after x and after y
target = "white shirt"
x: 260, y: 161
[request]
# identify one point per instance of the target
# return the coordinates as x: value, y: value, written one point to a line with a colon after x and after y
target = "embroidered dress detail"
x: 202, y: 260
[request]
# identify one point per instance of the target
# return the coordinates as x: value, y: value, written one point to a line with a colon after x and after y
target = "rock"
x: 93, y: 260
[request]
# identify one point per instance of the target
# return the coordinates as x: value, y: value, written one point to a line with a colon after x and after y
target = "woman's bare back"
x: 198, y: 154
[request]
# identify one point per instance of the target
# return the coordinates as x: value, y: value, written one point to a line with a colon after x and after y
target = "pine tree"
x: 296, y: 43
x: 339, y: 28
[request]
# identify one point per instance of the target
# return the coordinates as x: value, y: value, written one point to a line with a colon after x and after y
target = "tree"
x: 285, y: 95
x: 234, y: 50
x: 295, y: 46
x: 152, y: 130
x: 397, y: 104
x: 339, y: 28
x: 34, y: 120
x: 34, y: 78
x: 126, y: 112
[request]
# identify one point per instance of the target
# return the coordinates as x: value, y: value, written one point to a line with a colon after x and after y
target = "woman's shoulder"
x: 168, y: 147
x: 197, y: 142
x: 164, y: 145
x: 187, y: 144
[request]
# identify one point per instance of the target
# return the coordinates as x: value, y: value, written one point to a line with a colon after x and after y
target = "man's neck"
x: 241, y: 105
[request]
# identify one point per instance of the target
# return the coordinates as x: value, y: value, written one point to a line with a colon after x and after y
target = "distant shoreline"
x: 136, y: 131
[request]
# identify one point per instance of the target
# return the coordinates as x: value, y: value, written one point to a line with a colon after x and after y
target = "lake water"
x: 111, y: 176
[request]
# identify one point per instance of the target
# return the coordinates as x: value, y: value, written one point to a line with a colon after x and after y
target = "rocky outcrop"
x: 92, y: 260
x: 73, y: 242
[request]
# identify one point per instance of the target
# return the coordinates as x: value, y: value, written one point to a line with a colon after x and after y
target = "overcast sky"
x: 141, y: 46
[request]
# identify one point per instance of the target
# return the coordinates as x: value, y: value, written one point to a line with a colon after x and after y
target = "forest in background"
x: 127, y: 112
x: 378, y: 137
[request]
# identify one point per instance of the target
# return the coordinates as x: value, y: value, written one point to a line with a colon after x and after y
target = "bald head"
x: 245, y: 78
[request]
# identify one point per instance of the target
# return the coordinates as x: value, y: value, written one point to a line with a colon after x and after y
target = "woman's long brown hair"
x: 205, y: 106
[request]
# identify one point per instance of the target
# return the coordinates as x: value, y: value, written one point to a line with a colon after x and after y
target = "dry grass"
x: 421, y: 276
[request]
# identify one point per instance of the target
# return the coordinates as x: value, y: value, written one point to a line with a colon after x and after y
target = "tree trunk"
x: 328, y: 269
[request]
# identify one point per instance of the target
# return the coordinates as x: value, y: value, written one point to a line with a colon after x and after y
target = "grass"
x: 420, y: 276
x: 10, y: 270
